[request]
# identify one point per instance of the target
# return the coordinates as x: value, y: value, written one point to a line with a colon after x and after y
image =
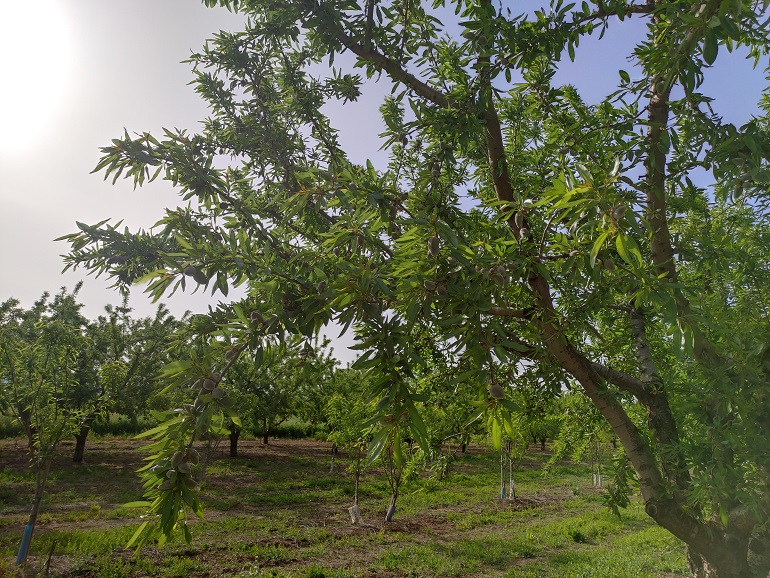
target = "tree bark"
x: 391, y: 508
x: 265, y: 432
x: 235, y: 433
x: 728, y: 561
x: 41, y: 477
x: 80, y: 444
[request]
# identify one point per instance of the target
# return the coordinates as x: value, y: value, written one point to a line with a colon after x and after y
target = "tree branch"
x: 506, y: 312
x: 383, y: 63
x: 602, y: 13
x: 661, y: 249
x: 621, y: 379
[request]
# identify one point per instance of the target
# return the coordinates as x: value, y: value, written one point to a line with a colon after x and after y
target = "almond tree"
x: 39, y: 358
x: 622, y: 243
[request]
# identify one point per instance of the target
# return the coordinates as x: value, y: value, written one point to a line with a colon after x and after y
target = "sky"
x: 76, y: 72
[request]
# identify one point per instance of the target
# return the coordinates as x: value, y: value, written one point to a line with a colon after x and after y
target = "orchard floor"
x: 278, y: 511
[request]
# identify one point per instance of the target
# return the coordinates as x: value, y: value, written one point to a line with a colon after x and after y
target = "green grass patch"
x: 277, y: 511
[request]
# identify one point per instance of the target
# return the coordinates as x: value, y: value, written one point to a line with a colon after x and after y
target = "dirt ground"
x: 88, y: 496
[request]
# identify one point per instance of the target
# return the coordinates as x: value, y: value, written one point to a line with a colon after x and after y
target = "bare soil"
x: 284, y: 489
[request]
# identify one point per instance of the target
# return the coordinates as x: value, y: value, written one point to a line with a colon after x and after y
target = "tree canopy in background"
x: 516, y: 224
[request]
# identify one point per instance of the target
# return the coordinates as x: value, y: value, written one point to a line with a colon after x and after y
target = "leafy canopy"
x: 619, y: 245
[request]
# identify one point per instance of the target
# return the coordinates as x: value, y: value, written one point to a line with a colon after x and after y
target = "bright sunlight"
x: 35, y: 62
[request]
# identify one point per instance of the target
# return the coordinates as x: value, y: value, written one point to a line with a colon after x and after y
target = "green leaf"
x: 597, y: 246
x: 710, y: 47
x: 418, y: 428
x: 751, y: 143
x: 160, y: 428
x: 723, y: 515
x: 628, y: 250
x: 497, y: 434
x: 480, y: 412
x: 377, y: 445
x: 138, y: 504
x: 137, y: 534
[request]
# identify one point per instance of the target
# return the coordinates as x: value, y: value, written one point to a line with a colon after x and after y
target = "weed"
x: 276, y: 512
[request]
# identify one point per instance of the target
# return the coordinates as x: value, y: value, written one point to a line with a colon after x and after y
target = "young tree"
x: 266, y: 387
x: 513, y: 219
x: 317, y: 384
x: 40, y: 354
x: 144, y: 346
x: 347, y: 413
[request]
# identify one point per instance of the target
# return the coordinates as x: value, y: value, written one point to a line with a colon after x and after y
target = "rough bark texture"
x: 80, y: 444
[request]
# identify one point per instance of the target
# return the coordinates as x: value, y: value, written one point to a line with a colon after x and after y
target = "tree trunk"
x: 358, y: 477
x: 235, y: 433
x: 542, y: 444
x: 334, y: 455
x: 724, y: 568
x: 392, y: 508
x: 41, y: 477
x: 265, y: 431
x: 733, y: 555
x: 80, y: 444
x: 26, y: 539
x: 29, y: 429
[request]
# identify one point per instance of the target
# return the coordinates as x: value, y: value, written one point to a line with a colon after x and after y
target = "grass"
x: 277, y: 511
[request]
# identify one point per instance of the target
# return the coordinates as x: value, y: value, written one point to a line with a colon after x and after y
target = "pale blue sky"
x: 75, y: 72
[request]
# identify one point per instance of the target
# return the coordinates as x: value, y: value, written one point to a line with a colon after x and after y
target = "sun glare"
x: 35, y: 62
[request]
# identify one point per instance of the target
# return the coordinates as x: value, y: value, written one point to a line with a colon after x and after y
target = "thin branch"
x: 384, y: 63
x: 603, y: 13
x: 506, y: 312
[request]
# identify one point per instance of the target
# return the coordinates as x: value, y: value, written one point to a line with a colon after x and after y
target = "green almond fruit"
x: 496, y: 391
x: 177, y: 459
x: 434, y: 246
x: 200, y: 277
